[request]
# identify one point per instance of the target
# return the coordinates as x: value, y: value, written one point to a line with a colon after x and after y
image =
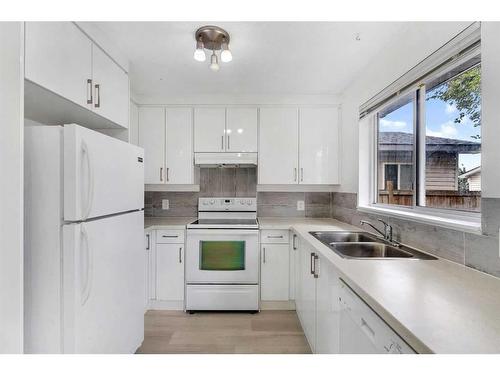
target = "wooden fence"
x: 470, y: 201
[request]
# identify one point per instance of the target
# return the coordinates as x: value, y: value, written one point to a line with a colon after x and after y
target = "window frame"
x: 456, y: 219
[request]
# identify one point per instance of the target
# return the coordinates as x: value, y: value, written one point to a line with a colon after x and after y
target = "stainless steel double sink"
x: 364, y: 245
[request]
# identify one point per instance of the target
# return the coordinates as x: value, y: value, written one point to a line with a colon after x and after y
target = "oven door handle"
x: 232, y: 232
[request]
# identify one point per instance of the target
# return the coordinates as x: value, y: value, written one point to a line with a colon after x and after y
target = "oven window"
x: 222, y: 255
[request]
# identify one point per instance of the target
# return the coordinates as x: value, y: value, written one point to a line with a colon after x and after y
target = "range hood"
x: 225, y: 159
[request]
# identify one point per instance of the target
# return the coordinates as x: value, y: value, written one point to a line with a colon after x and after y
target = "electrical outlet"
x: 165, y: 204
x: 300, y: 206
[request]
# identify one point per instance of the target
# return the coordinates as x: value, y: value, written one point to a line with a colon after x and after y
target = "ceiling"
x: 269, y: 58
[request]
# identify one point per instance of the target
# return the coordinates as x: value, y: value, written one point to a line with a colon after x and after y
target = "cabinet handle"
x: 228, y: 142
x: 165, y: 236
x: 222, y: 142
x: 167, y: 174
x: 301, y: 174
x: 161, y: 173
x: 264, y: 250
x: 147, y: 236
x: 316, y: 273
x: 295, y: 174
x: 90, y: 99
x: 180, y: 254
x: 312, y: 263
x: 275, y: 236
x: 98, y: 95
x: 293, y: 242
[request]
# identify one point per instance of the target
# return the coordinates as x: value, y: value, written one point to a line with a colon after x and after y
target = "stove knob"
x: 212, y: 201
x: 249, y: 202
x: 205, y: 203
x: 242, y: 201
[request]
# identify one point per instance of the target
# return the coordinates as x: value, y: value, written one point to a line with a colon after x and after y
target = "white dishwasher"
x: 362, y: 331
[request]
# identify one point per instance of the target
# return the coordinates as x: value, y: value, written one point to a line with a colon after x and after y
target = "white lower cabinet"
x: 169, y: 271
x: 316, y: 298
x: 165, y: 269
x: 305, y: 294
x: 327, y: 307
x: 274, y: 272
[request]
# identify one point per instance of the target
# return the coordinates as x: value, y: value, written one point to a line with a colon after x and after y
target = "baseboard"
x: 277, y: 305
x: 166, y: 305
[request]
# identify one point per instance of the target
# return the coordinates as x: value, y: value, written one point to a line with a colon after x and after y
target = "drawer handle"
x: 165, y: 236
x: 275, y: 236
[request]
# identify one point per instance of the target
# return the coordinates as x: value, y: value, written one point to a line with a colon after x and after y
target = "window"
x: 428, y: 142
x: 395, y: 152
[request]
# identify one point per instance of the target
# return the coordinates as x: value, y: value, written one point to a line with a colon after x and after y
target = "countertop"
x: 167, y: 222
x: 436, y: 306
x: 289, y: 222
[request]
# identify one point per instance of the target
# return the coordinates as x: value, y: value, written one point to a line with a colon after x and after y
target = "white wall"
x: 490, y: 121
x: 412, y: 45
x: 11, y: 187
x: 235, y: 99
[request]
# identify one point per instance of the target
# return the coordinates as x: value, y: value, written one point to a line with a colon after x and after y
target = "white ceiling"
x: 269, y: 58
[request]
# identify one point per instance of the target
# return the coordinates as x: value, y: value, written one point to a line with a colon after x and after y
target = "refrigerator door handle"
x: 87, y: 285
x: 90, y: 187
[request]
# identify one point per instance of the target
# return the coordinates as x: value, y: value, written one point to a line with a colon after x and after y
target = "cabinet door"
x: 59, y: 58
x: 209, y: 129
x: 179, y: 149
x: 319, y: 146
x: 306, y: 295
x: 170, y: 272
x: 152, y: 139
x: 275, y: 265
x: 327, y: 308
x: 241, y: 130
x: 278, y: 146
x: 111, y: 88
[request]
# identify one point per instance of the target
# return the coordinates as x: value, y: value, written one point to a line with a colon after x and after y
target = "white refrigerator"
x: 84, y: 229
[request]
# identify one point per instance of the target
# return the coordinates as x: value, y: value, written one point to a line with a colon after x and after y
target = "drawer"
x: 274, y: 236
x: 169, y: 236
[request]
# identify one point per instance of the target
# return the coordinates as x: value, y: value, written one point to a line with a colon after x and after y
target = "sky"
x: 439, y: 121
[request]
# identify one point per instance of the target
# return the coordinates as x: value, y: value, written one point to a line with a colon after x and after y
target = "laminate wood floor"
x: 177, y: 332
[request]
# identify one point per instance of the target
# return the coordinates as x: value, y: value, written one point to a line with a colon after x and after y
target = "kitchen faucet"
x: 387, y: 233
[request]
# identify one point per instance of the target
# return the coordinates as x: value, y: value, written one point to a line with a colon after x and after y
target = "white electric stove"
x: 222, y: 256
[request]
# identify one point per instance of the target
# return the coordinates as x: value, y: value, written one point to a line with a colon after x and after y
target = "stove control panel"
x: 227, y: 204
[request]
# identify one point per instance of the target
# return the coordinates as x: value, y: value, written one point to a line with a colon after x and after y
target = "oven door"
x: 222, y: 256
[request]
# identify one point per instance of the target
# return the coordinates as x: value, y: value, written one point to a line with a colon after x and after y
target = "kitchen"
x: 217, y: 191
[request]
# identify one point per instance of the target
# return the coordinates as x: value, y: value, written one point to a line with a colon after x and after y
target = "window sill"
x: 467, y: 223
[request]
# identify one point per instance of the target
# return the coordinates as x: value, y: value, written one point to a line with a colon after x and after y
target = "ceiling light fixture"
x: 215, y: 39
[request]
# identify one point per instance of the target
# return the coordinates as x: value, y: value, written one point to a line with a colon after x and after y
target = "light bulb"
x: 199, y: 53
x: 214, y: 64
x: 226, y: 54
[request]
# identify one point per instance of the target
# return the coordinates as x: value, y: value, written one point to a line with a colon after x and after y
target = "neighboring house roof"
x: 399, y: 141
x: 470, y: 173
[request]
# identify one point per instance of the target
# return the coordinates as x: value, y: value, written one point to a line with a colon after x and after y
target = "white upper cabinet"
x: 241, y: 129
x: 278, y: 146
x: 152, y: 139
x: 179, y: 146
x: 111, y: 88
x: 299, y: 146
x: 209, y: 129
x: 59, y: 58
x: 319, y: 146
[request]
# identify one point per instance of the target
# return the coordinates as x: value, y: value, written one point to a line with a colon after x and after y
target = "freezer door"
x: 102, y: 175
x: 104, y: 285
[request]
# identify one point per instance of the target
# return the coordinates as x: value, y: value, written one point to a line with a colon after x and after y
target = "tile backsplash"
x: 473, y: 250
